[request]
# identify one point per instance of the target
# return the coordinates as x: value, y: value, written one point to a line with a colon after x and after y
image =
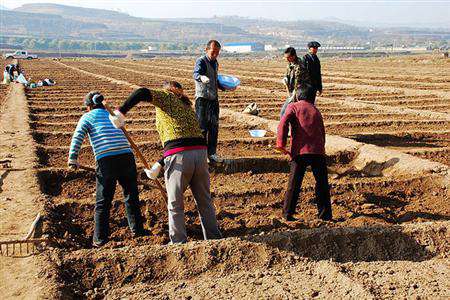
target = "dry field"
x: 3, y: 88
x: 390, y: 234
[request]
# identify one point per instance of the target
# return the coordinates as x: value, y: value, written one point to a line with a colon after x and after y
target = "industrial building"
x: 243, y: 47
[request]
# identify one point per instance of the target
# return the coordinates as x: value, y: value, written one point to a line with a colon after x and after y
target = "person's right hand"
x: 118, y: 120
x: 204, y: 79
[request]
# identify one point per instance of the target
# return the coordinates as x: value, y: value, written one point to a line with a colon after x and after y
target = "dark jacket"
x: 312, y: 65
x: 209, y: 68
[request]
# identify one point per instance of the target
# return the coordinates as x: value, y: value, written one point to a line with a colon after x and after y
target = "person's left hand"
x: 118, y: 119
x: 73, y: 164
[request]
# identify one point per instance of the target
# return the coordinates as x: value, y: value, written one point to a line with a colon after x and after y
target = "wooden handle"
x: 138, y: 152
x: 139, y: 182
x: 33, y: 226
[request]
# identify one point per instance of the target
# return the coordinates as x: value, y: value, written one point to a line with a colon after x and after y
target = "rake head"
x: 26, y: 246
x: 17, y: 248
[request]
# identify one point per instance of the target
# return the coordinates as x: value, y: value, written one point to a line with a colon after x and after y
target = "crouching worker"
x: 307, y: 149
x: 185, y: 156
x: 115, y: 162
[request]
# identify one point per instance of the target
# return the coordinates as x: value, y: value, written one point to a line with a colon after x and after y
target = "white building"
x: 150, y: 48
x: 269, y: 48
x: 243, y: 47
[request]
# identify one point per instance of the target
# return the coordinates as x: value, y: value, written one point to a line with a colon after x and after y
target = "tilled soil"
x: 376, y: 262
x: 363, y: 252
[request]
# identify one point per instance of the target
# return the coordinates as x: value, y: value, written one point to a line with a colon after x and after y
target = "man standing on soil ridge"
x: 185, y: 156
x: 115, y: 162
x: 206, y: 96
x: 307, y: 149
x: 312, y: 65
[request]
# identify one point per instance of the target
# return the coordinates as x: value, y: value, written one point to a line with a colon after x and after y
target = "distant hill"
x: 76, y: 13
x: 49, y: 25
x: 140, y: 28
x: 70, y: 22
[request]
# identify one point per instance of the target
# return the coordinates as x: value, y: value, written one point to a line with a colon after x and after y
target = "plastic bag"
x: 21, y: 79
x: 6, y: 78
x: 252, y: 109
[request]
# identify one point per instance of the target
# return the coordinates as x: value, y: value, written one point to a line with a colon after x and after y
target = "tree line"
x: 32, y: 43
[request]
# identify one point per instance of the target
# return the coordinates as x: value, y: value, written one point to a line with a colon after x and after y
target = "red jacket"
x: 307, y: 129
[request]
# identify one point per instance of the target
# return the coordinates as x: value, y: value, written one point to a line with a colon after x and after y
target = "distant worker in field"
x: 13, y: 70
x: 312, y: 65
x: 307, y: 149
x: 115, y: 162
x: 293, y: 78
x: 185, y: 156
x: 206, y: 96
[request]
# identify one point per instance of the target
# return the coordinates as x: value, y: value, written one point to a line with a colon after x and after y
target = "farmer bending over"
x: 185, y: 156
x: 115, y: 162
x: 307, y: 149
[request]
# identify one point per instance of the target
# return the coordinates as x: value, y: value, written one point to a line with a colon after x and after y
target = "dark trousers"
x: 319, y: 168
x: 208, y: 117
x: 110, y: 169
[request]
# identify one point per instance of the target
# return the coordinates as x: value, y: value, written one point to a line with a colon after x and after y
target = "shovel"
x: 139, y: 154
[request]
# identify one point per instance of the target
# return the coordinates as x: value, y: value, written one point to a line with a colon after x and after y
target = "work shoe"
x: 214, y: 158
x: 325, y: 215
x: 143, y: 232
x: 98, y: 244
x: 289, y: 218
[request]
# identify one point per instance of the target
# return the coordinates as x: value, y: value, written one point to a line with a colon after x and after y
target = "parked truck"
x: 20, y: 54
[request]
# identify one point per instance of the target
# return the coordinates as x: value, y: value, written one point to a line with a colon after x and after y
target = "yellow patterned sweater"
x: 176, y: 123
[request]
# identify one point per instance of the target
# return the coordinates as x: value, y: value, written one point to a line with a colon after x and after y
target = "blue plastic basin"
x: 228, y: 81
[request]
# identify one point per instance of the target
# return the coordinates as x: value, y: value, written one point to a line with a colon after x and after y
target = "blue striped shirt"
x: 106, y: 140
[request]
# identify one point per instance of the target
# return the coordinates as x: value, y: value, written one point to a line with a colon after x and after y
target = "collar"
x: 210, y: 60
x: 295, y: 62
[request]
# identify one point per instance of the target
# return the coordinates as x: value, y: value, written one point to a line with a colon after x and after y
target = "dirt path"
x: 19, y: 194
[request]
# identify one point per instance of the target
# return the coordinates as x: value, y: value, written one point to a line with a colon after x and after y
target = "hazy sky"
x: 394, y: 11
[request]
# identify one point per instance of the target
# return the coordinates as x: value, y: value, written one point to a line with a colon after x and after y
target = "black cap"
x: 313, y: 44
x: 93, y: 98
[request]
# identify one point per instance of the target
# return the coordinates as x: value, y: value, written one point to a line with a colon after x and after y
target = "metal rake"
x: 26, y: 246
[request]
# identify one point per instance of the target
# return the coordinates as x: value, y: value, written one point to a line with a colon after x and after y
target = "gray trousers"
x: 288, y: 101
x: 183, y: 169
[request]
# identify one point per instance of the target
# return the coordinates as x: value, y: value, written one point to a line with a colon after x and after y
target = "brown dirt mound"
x: 147, y: 267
